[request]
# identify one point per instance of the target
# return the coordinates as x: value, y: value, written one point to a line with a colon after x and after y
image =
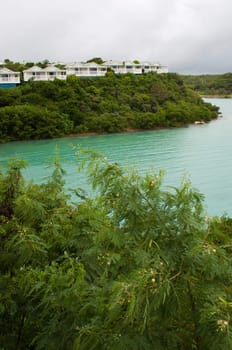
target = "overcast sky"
x: 190, y: 36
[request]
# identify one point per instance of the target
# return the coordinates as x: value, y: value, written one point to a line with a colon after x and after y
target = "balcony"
x: 10, y: 79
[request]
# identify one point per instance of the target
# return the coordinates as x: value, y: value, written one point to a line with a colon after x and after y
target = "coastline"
x: 127, y: 131
x: 131, y: 130
x: 216, y: 96
x: 107, y: 133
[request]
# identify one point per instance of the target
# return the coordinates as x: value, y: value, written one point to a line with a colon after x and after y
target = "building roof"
x: 113, y: 63
x: 49, y: 68
x: 129, y: 63
x: 82, y: 64
x: 91, y: 64
x: 52, y: 68
x: 33, y: 69
x: 5, y: 70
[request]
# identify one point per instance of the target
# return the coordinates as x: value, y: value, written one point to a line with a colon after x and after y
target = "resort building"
x: 118, y: 67
x: 82, y: 69
x: 135, y: 68
x: 44, y: 74
x: 9, y: 78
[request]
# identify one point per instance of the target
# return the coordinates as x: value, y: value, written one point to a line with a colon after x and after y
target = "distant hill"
x: 211, y: 85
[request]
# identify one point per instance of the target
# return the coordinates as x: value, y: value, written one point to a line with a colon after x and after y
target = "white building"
x: 82, y: 69
x: 44, y: 74
x: 91, y: 69
x: 119, y: 67
x: 135, y: 68
x: 9, y: 78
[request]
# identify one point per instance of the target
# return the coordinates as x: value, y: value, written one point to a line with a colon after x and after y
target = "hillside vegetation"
x: 113, y: 103
x: 210, y: 85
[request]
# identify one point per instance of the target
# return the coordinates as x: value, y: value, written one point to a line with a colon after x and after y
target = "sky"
x: 189, y: 36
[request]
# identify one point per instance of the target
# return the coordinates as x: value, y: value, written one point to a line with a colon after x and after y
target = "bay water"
x: 201, y: 153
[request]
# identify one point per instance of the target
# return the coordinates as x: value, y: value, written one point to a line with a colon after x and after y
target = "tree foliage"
x: 135, y: 266
x: 25, y: 122
x: 112, y: 103
x: 210, y: 84
x: 97, y: 60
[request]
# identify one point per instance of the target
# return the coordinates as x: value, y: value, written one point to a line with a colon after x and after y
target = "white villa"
x: 82, y: 69
x: 119, y: 67
x: 44, y: 74
x: 9, y: 78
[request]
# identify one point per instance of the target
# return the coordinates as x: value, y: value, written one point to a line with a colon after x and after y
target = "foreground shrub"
x: 133, y: 267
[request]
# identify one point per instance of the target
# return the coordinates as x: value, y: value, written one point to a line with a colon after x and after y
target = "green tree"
x: 135, y: 266
x: 130, y: 97
x: 25, y: 122
x: 97, y: 60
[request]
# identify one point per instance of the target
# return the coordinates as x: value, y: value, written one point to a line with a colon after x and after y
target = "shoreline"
x: 127, y: 131
x: 131, y: 130
x: 216, y: 96
x: 108, y: 133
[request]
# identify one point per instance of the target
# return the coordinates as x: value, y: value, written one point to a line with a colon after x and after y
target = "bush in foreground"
x: 134, y: 267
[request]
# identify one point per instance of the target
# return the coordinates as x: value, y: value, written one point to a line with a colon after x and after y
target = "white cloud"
x: 187, y: 35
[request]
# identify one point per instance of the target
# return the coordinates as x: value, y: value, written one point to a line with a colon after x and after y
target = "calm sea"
x: 202, y: 153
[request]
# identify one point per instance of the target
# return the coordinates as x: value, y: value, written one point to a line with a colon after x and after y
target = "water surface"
x: 202, y: 152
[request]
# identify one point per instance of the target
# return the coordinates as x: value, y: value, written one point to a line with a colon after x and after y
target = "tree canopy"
x: 112, y: 103
x: 210, y: 84
x: 97, y: 60
x: 135, y: 266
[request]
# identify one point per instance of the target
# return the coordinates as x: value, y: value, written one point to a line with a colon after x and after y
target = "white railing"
x: 83, y: 71
x: 86, y: 73
x: 44, y: 76
x: 13, y: 80
x: 118, y: 69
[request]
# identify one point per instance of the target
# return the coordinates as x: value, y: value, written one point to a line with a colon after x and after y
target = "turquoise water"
x: 200, y: 152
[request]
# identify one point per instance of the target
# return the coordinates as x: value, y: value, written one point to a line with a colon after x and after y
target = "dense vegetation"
x: 210, y: 84
x: 21, y: 66
x: 133, y: 268
x: 113, y: 103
